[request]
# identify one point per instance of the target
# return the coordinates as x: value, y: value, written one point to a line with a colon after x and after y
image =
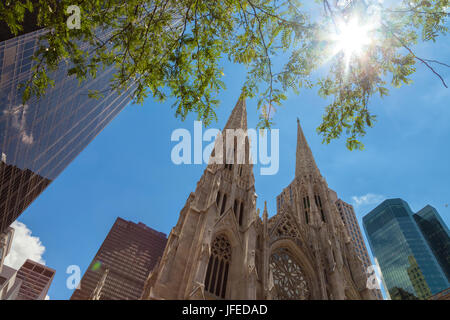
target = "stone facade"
x: 222, y: 249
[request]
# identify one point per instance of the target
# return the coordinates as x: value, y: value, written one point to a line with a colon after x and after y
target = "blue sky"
x: 127, y: 171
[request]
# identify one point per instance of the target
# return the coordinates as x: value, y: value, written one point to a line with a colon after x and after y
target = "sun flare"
x: 352, y: 37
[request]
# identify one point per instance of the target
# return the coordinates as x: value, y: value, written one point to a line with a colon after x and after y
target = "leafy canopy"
x: 173, y: 48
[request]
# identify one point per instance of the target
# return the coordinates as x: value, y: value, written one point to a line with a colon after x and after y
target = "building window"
x: 224, y: 201
x: 241, y: 214
x: 239, y: 211
x: 306, y: 206
x: 218, y: 198
x: 218, y: 266
x: 319, y: 206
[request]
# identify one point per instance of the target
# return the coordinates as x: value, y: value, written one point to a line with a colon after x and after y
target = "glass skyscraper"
x: 407, y: 264
x: 40, y: 138
x: 436, y: 232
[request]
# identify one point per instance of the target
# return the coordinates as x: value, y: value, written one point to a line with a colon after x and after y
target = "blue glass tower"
x: 436, y: 232
x: 407, y: 264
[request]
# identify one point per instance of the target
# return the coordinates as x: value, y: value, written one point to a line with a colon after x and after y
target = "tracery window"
x: 218, y: 266
x: 288, y: 278
x: 287, y: 228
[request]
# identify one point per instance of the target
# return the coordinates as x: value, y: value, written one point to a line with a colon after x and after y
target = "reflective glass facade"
x: 436, y: 232
x: 407, y: 264
x: 39, y: 139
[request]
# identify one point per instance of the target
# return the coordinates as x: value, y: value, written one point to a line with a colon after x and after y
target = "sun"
x: 351, y: 38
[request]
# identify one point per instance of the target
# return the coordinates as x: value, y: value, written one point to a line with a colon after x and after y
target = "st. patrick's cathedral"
x: 221, y: 248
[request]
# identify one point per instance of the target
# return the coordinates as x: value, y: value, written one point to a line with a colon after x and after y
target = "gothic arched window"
x: 239, y: 211
x: 235, y: 208
x: 319, y: 205
x: 224, y: 202
x: 241, y: 214
x: 288, y: 278
x: 306, y: 206
x: 218, y: 198
x: 218, y: 266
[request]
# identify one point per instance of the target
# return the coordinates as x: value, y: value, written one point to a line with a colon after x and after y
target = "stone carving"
x: 287, y: 228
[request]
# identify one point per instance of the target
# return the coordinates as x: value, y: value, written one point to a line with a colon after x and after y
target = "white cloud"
x: 367, y: 199
x: 47, y: 297
x: 24, y: 246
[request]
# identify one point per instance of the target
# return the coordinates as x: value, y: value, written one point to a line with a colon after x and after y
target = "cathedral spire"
x: 238, y: 117
x: 237, y: 120
x: 265, y: 214
x: 305, y: 163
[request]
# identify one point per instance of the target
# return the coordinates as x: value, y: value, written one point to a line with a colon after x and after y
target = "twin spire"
x: 238, y: 117
x: 305, y: 163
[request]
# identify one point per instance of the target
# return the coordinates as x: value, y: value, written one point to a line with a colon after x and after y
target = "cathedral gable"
x: 286, y: 226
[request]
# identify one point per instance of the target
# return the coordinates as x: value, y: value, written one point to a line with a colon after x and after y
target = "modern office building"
x: 348, y: 216
x: 30, y: 282
x: 9, y: 286
x: 122, y: 264
x: 5, y: 244
x: 437, y: 234
x: 40, y: 138
x: 443, y: 295
x: 408, y: 265
x: 36, y: 279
